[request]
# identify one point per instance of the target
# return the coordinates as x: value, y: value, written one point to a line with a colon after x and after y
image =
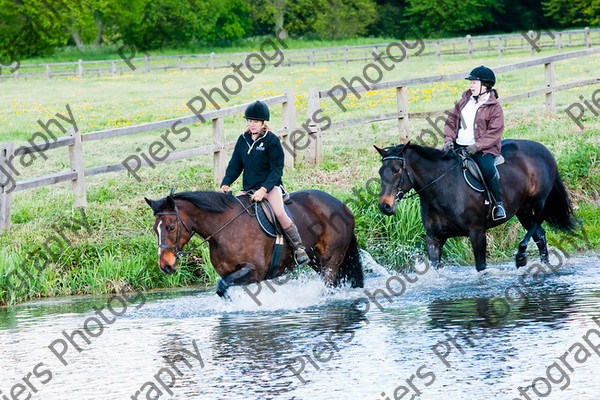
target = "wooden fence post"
x: 550, y: 98
x: 6, y: 185
x: 113, y: 68
x: 80, y: 68
x: 219, y: 158
x: 402, y: 99
x: 76, y: 162
x: 289, y: 124
x: 211, y: 61
x: 346, y: 57
x: 532, y: 49
x: 559, y: 41
x: 147, y: 62
x: 588, y: 41
x: 314, y: 154
x: 469, y: 47
x: 48, y: 75
x: 180, y: 63
x: 437, y: 51
x: 499, y: 47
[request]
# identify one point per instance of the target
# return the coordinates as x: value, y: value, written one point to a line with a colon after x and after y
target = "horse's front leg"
x: 243, y: 276
x: 478, y: 242
x: 434, y: 248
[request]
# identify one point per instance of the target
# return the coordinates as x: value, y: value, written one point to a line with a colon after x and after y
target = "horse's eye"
x: 171, y: 228
x: 395, y: 170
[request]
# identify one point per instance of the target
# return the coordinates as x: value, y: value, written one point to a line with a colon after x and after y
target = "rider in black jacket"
x: 259, y: 155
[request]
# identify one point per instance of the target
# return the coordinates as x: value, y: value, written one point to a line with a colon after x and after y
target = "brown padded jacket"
x: 489, y: 124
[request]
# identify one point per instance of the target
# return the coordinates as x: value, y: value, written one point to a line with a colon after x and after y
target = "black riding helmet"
x: 258, y: 111
x: 484, y: 74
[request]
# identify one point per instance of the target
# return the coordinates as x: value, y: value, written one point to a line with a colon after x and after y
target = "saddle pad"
x: 471, y: 181
x: 472, y: 173
x: 266, y: 225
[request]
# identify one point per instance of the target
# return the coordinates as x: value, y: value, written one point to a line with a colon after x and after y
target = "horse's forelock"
x: 394, y: 150
x: 158, y: 205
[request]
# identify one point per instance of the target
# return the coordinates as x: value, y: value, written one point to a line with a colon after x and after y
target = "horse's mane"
x: 429, y: 153
x: 208, y: 201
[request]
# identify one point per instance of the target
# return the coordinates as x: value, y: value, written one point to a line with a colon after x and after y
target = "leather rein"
x: 406, y: 172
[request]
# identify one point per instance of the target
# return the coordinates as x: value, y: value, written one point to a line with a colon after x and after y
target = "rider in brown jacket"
x: 476, y: 123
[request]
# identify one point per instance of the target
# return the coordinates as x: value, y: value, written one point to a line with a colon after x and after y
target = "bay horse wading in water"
x: 531, y: 189
x: 241, y: 252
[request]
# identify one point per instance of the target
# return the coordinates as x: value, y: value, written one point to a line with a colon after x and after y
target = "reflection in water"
x: 246, y: 350
x: 270, y: 343
x: 550, y: 304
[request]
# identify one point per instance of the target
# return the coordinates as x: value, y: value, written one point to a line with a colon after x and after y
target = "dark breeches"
x: 486, y: 164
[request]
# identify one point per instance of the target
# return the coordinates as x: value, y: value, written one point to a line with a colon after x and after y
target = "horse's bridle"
x: 400, y: 192
x: 179, y: 253
x: 405, y: 172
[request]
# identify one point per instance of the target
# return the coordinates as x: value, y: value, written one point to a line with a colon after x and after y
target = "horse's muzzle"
x: 167, y: 269
x: 387, y: 208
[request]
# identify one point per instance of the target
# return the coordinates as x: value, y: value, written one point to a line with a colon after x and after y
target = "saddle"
x: 268, y: 223
x: 472, y: 173
x: 266, y: 218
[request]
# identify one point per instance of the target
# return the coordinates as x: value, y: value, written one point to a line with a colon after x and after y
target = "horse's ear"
x: 380, y: 151
x: 405, y: 147
x: 152, y: 204
x: 170, y: 205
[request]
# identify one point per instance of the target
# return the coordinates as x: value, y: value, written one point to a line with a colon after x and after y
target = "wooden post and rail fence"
x: 469, y: 46
x: 75, y: 141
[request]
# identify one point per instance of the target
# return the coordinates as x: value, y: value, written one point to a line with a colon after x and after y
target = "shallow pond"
x: 446, y: 334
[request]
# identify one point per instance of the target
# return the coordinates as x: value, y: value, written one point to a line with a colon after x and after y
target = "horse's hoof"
x: 222, y: 290
x: 521, y: 260
x: 480, y: 268
x: 224, y: 295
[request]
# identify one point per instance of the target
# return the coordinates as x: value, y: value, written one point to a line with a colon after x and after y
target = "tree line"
x: 38, y: 27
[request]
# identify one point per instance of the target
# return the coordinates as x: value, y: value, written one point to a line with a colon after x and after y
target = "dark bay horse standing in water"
x: 241, y: 252
x: 531, y: 189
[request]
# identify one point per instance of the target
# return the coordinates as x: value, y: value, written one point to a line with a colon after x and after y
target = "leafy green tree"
x: 345, y: 18
x: 573, y: 12
x: 29, y: 28
x: 389, y: 19
x: 444, y: 17
x: 179, y: 23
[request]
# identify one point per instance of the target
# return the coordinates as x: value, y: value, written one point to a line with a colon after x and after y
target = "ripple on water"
x: 249, y: 349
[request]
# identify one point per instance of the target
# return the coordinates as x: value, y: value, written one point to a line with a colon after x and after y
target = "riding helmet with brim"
x: 484, y: 74
x: 258, y: 111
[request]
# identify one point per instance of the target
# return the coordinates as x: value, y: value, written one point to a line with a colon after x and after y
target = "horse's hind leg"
x: 434, y: 249
x: 528, y: 220
x: 540, y: 240
x: 521, y: 257
x: 243, y: 276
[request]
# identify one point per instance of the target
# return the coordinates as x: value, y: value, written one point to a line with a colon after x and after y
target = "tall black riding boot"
x: 498, y: 211
x: 295, y: 241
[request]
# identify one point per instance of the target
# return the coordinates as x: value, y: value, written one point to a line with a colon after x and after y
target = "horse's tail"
x: 558, y: 210
x: 350, y: 270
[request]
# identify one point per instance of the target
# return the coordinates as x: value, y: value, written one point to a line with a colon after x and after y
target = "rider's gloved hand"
x: 259, y: 195
x: 448, y: 146
x: 471, y: 149
x: 224, y: 189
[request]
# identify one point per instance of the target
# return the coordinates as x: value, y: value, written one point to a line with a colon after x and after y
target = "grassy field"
x: 120, y: 251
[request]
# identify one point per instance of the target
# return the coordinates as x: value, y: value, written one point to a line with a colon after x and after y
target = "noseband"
x: 405, y: 172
